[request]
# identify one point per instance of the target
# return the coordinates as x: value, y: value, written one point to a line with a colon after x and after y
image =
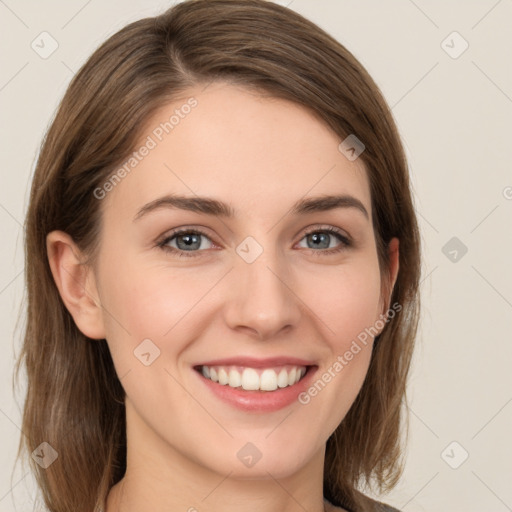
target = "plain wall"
x: 454, y: 114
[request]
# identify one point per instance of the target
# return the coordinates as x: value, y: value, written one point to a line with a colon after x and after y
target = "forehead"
x: 256, y: 152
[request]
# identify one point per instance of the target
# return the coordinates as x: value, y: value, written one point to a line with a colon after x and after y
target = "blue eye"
x: 188, y: 241
x: 328, y: 234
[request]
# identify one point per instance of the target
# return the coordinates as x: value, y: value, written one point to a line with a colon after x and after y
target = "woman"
x: 222, y: 271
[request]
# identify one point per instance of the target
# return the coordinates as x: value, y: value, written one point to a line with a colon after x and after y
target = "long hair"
x: 74, y: 399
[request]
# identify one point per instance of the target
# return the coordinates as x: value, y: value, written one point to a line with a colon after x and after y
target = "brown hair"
x: 75, y: 401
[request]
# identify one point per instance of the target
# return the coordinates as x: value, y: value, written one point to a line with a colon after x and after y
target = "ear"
x: 76, y: 284
x: 393, y: 257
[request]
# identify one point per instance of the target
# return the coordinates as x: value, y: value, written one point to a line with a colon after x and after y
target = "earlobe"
x: 76, y: 284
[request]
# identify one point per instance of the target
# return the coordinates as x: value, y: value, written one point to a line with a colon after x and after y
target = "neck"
x: 228, y: 495
x: 160, y: 477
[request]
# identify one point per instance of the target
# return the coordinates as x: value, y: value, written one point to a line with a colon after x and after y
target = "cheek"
x: 149, y: 301
x: 155, y: 302
x: 348, y: 310
x: 347, y: 301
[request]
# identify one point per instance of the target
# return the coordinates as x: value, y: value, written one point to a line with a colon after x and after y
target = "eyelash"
x: 345, y: 242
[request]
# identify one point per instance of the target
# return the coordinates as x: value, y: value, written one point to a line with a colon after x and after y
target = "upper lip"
x: 254, y: 362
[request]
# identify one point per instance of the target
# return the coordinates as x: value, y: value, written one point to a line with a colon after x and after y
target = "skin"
x: 260, y: 155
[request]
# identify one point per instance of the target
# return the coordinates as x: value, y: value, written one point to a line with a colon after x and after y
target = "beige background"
x: 454, y: 113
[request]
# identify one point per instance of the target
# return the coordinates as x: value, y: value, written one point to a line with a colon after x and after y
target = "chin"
x: 257, y: 460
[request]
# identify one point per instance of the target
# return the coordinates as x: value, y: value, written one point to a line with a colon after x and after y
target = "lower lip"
x: 259, y: 401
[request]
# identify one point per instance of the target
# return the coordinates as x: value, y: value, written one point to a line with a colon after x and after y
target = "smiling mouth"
x: 254, y: 379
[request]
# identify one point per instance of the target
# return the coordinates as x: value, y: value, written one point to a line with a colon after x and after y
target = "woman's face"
x: 258, y: 297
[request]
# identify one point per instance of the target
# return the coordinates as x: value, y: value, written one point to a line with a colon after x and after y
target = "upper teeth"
x: 263, y: 379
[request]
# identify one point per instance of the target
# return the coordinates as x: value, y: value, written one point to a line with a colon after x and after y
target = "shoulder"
x: 369, y: 504
x: 378, y: 507
x: 382, y: 507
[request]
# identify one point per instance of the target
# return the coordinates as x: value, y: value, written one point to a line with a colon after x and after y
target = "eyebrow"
x: 214, y: 207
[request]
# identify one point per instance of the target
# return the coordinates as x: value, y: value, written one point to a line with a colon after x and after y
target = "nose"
x: 262, y: 300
